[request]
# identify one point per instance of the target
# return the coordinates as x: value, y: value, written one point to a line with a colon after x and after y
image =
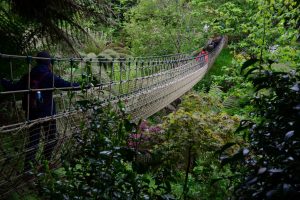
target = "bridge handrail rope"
x: 100, y: 59
x: 144, y: 84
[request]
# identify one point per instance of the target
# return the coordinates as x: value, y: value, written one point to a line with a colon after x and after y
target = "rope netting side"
x: 145, y: 85
x: 171, y: 85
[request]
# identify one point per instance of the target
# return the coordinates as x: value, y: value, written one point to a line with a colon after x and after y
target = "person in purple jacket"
x: 40, y: 105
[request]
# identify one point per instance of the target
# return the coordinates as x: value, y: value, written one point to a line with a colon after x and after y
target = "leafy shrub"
x: 101, y: 164
x: 273, y: 157
x: 208, y: 179
x: 185, y: 143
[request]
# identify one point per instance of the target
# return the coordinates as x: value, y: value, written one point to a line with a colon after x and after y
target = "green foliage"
x: 272, y: 164
x: 261, y: 28
x: 28, y: 196
x: 101, y: 165
x: 180, y: 157
x: 210, y: 111
x: 95, y: 46
x: 208, y: 180
x: 187, y: 144
x: 171, y: 25
x: 264, y: 32
x: 120, y: 7
x: 185, y: 130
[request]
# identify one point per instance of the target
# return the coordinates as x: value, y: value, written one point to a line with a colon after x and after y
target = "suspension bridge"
x: 144, y: 84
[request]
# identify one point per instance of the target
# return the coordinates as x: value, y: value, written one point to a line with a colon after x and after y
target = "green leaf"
x: 248, y: 63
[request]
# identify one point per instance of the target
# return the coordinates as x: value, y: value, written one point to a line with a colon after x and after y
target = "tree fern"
x: 26, y: 25
x: 216, y: 92
x: 231, y: 102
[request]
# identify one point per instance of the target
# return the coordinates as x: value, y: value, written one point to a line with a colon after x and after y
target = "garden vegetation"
x: 235, y: 136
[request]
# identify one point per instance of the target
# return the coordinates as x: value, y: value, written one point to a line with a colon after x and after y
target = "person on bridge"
x: 39, y: 104
x: 202, y: 56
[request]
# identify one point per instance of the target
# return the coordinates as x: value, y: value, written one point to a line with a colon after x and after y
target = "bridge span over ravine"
x: 145, y: 85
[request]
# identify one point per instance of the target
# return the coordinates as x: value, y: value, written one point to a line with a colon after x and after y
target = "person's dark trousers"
x: 32, y: 145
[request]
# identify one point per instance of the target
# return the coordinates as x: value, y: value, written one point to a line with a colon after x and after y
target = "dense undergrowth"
x: 115, y: 159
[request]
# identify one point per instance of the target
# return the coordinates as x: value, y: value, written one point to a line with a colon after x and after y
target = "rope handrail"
x: 145, y: 85
x: 93, y: 59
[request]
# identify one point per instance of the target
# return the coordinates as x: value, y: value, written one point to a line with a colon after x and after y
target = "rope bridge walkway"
x: 144, y: 84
